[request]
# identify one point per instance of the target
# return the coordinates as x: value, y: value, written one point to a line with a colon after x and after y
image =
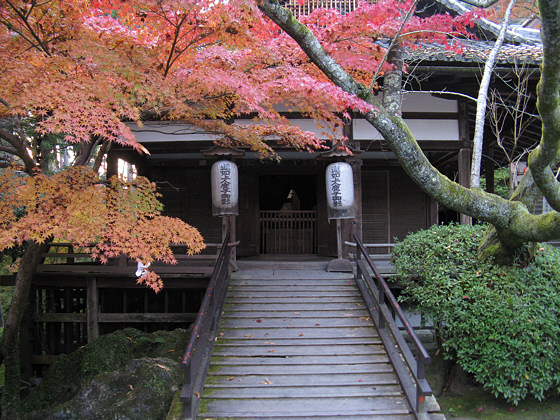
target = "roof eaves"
x: 513, y: 34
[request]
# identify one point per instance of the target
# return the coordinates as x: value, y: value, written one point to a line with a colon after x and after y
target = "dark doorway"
x: 274, y: 191
x: 288, y: 214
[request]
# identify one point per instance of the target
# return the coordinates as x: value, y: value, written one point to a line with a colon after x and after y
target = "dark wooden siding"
x: 375, y: 206
x: 186, y: 194
x: 392, y: 205
x: 408, y: 205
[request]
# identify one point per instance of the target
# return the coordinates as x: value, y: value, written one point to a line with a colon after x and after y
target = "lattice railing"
x: 307, y: 6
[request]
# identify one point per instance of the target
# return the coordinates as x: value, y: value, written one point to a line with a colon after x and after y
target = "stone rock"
x: 142, y: 390
x: 110, y: 353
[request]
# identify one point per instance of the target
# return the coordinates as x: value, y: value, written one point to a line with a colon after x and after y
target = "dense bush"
x: 501, y: 324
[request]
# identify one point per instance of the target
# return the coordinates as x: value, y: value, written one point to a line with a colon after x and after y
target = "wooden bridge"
x: 295, y: 341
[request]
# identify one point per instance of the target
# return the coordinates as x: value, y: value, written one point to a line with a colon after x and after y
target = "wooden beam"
x: 92, y: 310
x: 147, y: 317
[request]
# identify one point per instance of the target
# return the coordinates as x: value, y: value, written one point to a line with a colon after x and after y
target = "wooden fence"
x: 288, y: 232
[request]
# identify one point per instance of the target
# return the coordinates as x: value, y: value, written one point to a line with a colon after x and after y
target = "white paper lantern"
x: 225, y: 188
x: 340, y: 191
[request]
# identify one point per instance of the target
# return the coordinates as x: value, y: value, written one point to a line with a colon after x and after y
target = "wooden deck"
x: 299, y: 343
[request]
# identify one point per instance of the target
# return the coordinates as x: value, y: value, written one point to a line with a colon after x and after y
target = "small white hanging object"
x: 141, y: 269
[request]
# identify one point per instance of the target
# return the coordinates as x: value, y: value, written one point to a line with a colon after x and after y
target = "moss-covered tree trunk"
x: 10, y: 339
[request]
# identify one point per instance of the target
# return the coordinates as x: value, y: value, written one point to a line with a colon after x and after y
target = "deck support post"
x: 340, y: 264
x: 92, y: 309
x: 464, y: 177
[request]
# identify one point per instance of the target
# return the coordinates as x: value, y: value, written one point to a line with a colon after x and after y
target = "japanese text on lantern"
x: 335, y: 186
x: 225, y: 184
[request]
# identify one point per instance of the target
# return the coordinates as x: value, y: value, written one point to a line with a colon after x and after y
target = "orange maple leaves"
x: 119, y: 217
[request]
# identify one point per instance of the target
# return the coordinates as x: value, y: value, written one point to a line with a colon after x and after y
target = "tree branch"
x: 548, y: 104
x: 103, y: 149
x: 21, y: 151
x: 483, y: 100
x: 10, y: 150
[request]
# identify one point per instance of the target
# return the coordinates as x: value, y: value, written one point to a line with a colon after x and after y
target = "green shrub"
x: 501, y: 324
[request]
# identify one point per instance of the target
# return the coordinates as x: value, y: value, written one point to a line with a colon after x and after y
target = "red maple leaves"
x: 83, y: 68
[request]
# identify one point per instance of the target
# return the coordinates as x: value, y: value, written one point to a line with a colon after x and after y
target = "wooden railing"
x: 64, y: 257
x: 288, y: 232
x: 199, y: 348
x: 299, y: 8
x: 383, y: 308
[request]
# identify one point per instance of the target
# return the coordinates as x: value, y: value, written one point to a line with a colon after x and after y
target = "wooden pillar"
x: 433, y: 218
x: 232, y: 233
x: 490, y: 167
x: 464, y: 177
x: 351, y: 226
x: 92, y: 310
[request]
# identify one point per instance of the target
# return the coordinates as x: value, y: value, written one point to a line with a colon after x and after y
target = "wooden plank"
x: 358, y: 312
x: 59, y: 317
x: 366, y: 416
x: 147, y: 317
x: 306, y: 392
x: 254, y: 293
x: 300, y: 360
x: 346, y: 416
x: 79, y: 280
x: 312, y: 369
x: 295, y: 322
x: 277, y: 286
x: 280, y: 351
x: 301, y: 340
x: 295, y: 275
x: 251, y: 381
x: 119, y: 270
x: 279, y: 333
x: 290, y: 307
x: 297, y: 300
x: 279, y: 406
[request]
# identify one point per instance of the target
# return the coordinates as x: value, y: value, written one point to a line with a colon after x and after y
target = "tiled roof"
x: 515, y: 33
x: 521, y: 45
x: 477, y: 52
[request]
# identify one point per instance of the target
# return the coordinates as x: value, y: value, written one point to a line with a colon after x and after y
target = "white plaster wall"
x: 421, y: 130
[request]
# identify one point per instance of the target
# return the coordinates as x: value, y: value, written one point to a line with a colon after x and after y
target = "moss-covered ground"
x: 462, y: 399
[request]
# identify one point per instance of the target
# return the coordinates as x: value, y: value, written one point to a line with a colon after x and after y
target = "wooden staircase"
x: 298, y: 342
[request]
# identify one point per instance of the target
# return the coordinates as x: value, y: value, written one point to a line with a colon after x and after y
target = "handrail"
x: 201, y: 342
x: 390, y: 245
x: 412, y: 375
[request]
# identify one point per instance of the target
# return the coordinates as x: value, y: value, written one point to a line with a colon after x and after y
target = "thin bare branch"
x: 446, y: 92
x: 483, y: 100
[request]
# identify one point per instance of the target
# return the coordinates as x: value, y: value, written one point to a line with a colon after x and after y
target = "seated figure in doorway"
x: 292, y: 202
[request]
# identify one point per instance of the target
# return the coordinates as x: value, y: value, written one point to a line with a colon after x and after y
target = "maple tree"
x: 79, y: 70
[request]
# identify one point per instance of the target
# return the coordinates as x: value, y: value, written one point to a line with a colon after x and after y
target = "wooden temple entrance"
x: 288, y: 214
